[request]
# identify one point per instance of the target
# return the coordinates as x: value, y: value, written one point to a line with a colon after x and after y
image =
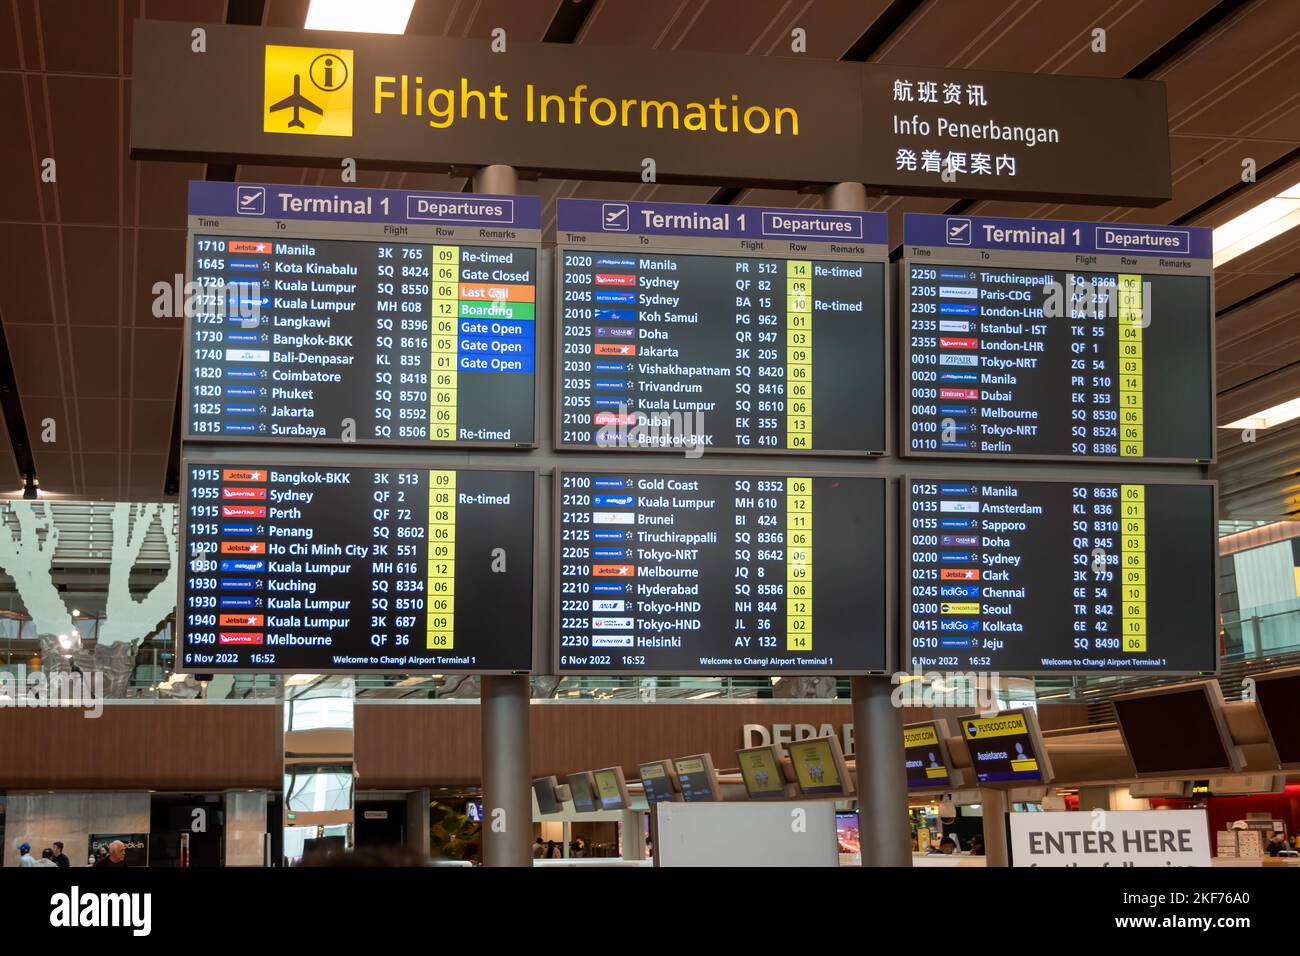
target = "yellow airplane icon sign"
x: 307, y: 90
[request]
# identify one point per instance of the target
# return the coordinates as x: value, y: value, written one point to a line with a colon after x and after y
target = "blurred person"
x: 47, y: 859
x: 947, y: 846
x: 116, y: 855
x: 977, y: 845
x: 60, y: 858
x: 25, y: 855
x: 1276, y: 844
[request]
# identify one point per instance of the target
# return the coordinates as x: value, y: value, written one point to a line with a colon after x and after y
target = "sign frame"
x: 905, y: 561
x: 1035, y: 734
x: 219, y: 457
x: 944, y: 256
x: 892, y: 579
x: 669, y: 243
x: 1021, y: 825
x: 326, y: 229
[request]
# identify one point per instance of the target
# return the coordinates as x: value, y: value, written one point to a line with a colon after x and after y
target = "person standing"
x: 60, y: 858
x: 116, y: 855
x: 25, y: 855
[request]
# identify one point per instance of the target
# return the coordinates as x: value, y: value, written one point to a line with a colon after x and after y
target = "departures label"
x: 356, y: 569
x: 709, y: 573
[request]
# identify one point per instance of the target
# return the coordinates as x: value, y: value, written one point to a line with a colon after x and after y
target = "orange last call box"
x: 492, y: 292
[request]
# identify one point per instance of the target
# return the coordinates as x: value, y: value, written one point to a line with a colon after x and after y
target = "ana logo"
x: 307, y: 90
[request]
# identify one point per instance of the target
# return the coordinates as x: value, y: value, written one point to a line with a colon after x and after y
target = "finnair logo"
x: 75, y: 909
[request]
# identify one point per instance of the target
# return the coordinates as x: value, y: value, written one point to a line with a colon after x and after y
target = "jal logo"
x: 307, y: 90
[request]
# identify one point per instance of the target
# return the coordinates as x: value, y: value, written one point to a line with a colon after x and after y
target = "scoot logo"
x: 307, y: 90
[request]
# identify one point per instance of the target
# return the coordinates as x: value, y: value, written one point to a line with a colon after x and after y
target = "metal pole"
x: 994, y: 805
x: 877, y: 723
x: 882, y: 775
x: 507, y: 791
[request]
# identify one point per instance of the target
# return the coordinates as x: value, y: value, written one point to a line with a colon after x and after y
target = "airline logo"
x: 239, y: 637
x: 240, y: 620
x: 243, y: 547
x: 951, y: 343
x: 307, y: 90
x: 613, y: 348
x: 613, y: 570
x: 615, y: 332
x: 611, y: 640
x: 959, y: 574
x: 968, y: 607
x: 243, y: 511
x: 248, y: 355
x: 959, y: 292
x: 242, y: 474
x: 613, y: 517
x: 614, y: 418
x: 608, y: 606
x: 611, y: 623
x: 606, y: 588
x: 615, y: 278
x: 239, y: 245
x: 967, y: 393
x: 955, y: 325
x: 235, y: 564
x: 959, y: 507
x: 603, y: 482
x: 247, y: 494
x: 950, y: 359
x: 961, y: 539
x: 614, y: 295
x: 617, y: 501
x: 959, y: 590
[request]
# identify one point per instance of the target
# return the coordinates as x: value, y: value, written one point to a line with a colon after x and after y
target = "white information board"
x: 1110, y: 838
x: 748, y: 833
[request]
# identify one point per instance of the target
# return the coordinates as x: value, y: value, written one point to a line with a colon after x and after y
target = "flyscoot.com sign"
x: 292, y: 96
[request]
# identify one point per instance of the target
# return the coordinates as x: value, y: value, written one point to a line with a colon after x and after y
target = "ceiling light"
x: 1269, y: 416
x: 1270, y: 218
x: 354, y: 16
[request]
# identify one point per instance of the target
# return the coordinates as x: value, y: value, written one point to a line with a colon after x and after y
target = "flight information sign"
x: 1027, y: 338
x: 700, y: 327
x: 1040, y: 577
x: 332, y: 568
x: 380, y: 316
x: 664, y: 573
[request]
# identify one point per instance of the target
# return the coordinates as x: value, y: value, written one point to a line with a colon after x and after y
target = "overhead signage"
x: 1049, y: 576
x: 419, y: 102
x: 347, y: 569
x: 369, y: 316
x: 1027, y: 338
x: 666, y: 347
x: 667, y: 573
x: 1117, y: 838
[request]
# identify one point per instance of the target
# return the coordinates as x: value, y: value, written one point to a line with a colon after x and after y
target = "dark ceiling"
x: 81, y: 254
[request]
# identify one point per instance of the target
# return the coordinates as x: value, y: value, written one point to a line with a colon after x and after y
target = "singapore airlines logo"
x: 307, y: 90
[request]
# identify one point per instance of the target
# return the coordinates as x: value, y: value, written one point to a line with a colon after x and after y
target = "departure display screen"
x: 664, y: 573
x: 329, y: 568
x: 747, y: 344
x: 1104, y: 356
x: 1069, y: 576
x: 321, y: 333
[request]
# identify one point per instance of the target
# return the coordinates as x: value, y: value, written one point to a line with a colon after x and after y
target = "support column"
x: 507, y: 790
x: 633, y: 839
x: 994, y: 805
x: 882, y: 774
x: 877, y: 723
